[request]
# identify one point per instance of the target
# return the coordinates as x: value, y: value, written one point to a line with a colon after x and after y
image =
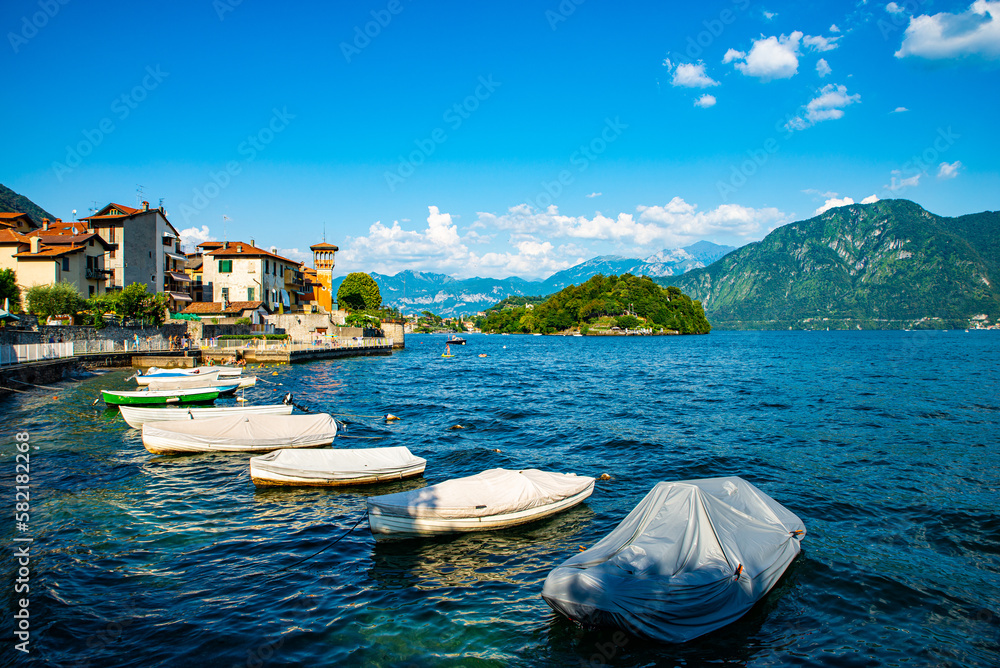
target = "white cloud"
x: 827, y: 195
x: 193, y: 236
x: 893, y: 8
x: 975, y: 32
x: 830, y: 103
x: 769, y: 15
x: 690, y: 75
x: 898, y: 110
x: 871, y: 199
x: 898, y: 183
x: 948, y: 171
x: 832, y: 204
x: 820, y: 43
x: 827, y: 106
x: 705, y: 101
x: 834, y: 28
x: 823, y: 67
x: 769, y: 57
x: 592, y: 195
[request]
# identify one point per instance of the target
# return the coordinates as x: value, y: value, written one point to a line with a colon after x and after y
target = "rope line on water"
x: 357, y: 416
x: 374, y: 437
x: 342, y: 536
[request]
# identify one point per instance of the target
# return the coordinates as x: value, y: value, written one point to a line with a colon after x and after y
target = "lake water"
x: 884, y: 443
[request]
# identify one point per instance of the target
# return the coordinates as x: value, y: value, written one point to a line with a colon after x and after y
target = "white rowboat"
x: 239, y: 433
x: 494, y: 499
x: 335, y: 467
x: 200, y: 381
x: 156, y: 373
x: 136, y: 416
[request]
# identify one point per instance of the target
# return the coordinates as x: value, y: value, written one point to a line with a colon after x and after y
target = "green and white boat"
x: 196, y: 395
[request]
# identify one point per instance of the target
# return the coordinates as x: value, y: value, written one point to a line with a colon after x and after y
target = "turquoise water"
x: 884, y: 443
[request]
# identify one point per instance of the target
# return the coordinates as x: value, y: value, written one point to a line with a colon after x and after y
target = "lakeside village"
x: 74, y: 284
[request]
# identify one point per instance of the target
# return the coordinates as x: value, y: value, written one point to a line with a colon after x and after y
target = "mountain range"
x: 887, y: 265
x: 11, y: 202
x: 414, y: 291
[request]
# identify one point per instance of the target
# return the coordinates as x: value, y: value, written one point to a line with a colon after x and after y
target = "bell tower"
x: 324, y: 260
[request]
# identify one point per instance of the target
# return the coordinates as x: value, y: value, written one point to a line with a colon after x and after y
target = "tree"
x: 9, y: 290
x: 131, y: 302
x: 59, y: 298
x: 359, y: 292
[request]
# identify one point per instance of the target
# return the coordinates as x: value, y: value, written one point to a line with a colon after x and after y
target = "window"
x: 225, y: 294
x: 225, y: 266
x: 91, y: 242
x: 282, y: 271
x: 91, y: 290
x: 249, y: 294
x: 266, y: 267
x: 113, y: 253
x: 65, y: 264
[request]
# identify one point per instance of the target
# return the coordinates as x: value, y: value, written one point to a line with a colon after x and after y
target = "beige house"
x: 241, y: 272
x: 145, y: 248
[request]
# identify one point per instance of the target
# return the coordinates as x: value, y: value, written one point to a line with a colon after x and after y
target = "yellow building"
x: 324, y: 259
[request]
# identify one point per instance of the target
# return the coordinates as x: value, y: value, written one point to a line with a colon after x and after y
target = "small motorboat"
x: 162, y: 377
x: 136, y: 416
x: 196, y: 395
x: 239, y: 433
x: 156, y: 373
x: 692, y: 557
x: 457, y: 340
x: 493, y: 499
x: 335, y: 467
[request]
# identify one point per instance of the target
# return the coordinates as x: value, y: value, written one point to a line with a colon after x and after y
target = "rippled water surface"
x: 884, y: 443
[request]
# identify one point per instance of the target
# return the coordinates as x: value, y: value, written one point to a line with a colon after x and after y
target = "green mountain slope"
x: 11, y: 202
x: 887, y: 265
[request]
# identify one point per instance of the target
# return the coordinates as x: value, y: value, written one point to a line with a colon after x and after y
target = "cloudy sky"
x: 498, y: 139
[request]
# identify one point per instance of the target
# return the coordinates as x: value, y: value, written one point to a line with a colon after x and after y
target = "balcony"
x: 98, y: 274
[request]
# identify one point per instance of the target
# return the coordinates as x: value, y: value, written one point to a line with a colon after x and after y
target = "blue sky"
x: 498, y: 139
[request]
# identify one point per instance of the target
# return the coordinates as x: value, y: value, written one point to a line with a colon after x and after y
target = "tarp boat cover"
x: 335, y: 467
x: 493, y: 499
x: 135, y: 416
x: 692, y: 557
x: 198, y: 381
x: 165, y: 376
x: 239, y: 433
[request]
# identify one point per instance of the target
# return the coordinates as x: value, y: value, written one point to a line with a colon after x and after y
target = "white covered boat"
x: 335, y: 467
x: 156, y: 373
x: 239, y: 433
x: 493, y: 499
x: 136, y: 416
x: 692, y: 557
x: 201, y: 381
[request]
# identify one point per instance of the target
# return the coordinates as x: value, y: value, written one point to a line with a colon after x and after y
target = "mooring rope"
x: 342, y: 536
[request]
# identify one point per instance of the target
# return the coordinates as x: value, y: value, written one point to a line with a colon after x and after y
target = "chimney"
x: 253, y: 243
x: 145, y: 205
x: 58, y: 220
x: 34, y: 243
x: 45, y: 224
x: 225, y: 245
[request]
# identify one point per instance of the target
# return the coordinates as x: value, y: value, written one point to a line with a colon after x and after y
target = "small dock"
x: 289, y: 353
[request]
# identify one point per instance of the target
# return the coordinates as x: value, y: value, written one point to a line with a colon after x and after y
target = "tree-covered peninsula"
x: 602, y: 305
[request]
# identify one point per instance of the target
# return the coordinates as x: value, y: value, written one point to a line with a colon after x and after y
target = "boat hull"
x: 169, y: 376
x: 385, y: 526
x: 175, y: 446
x: 203, y: 396
x: 264, y: 476
x: 136, y: 416
x: 239, y: 433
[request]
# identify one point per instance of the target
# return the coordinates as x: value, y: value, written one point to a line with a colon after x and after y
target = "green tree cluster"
x: 359, y: 292
x: 632, y: 300
x: 9, y: 290
x: 55, y: 299
x: 132, y: 303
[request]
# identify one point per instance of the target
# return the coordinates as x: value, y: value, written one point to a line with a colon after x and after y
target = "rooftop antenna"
x: 74, y: 214
x: 324, y: 231
x: 96, y: 207
x: 161, y: 202
x: 225, y: 236
x: 139, y: 195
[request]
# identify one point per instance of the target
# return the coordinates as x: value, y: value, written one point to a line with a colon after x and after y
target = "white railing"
x: 33, y: 352
x: 126, y: 346
x: 233, y: 345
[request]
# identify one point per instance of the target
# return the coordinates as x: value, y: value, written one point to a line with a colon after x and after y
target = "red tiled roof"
x: 49, y: 253
x: 209, y: 244
x: 10, y: 236
x: 324, y: 246
x: 61, y: 238
x: 239, y: 248
x: 216, y: 307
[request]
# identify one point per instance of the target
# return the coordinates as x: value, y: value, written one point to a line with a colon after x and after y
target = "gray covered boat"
x: 692, y: 557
